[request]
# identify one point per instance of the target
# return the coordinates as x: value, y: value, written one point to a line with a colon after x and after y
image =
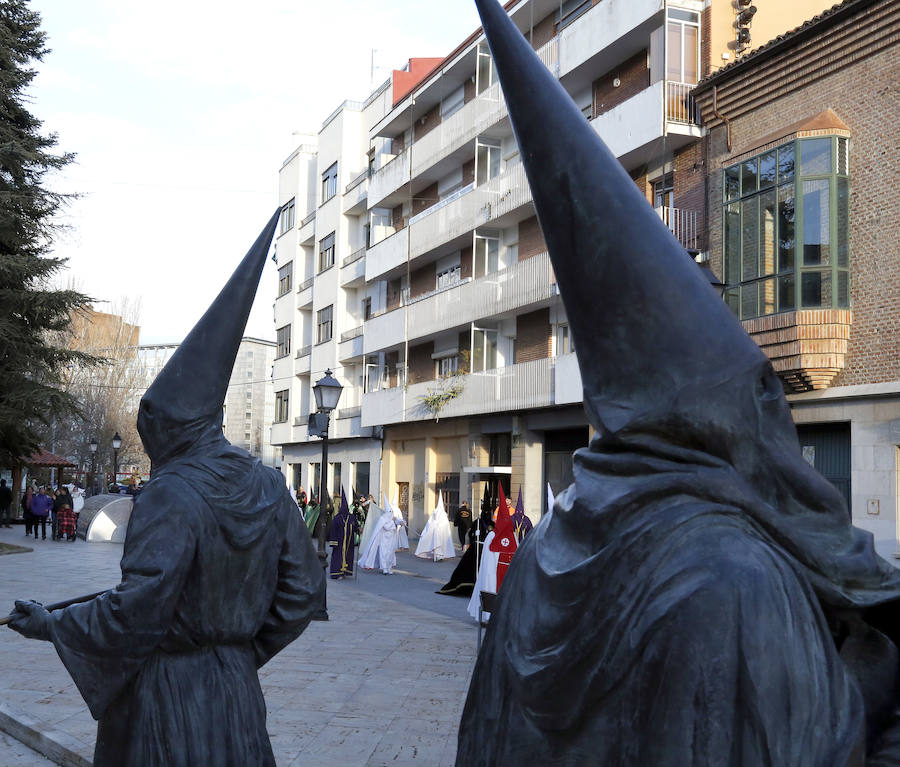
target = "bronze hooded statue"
x: 218, y: 573
x: 698, y: 596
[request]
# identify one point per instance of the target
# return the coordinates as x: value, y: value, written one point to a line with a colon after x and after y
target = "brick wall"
x: 397, y: 219
x: 393, y: 294
x: 425, y: 199
x: 428, y: 122
x: 468, y: 172
x: 544, y: 31
x: 689, y: 179
x: 422, y: 280
x: 465, y: 263
x: 531, y: 239
x: 643, y: 184
x: 859, y: 83
x: 421, y: 366
x: 633, y: 76
x: 397, y: 144
x: 465, y: 341
x: 469, y: 90
x: 533, y: 336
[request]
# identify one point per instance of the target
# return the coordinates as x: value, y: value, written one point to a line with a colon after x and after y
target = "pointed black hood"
x: 645, y: 321
x: 183, y: 406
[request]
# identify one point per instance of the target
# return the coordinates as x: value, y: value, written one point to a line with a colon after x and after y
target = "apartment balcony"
x: 302, y: 360
x: 633, y: 129
x: 350, y: 347
x: 521, y: 285
x: 305, y: 293
x: 353, y: 269
x: 683, y: 224
x: 606, y: 34
x: 306, y: 234
x: 524, y: 386
x: 281, y: 433
x: 457, y: 215
x: 356, y: 194
x: 388, y: 179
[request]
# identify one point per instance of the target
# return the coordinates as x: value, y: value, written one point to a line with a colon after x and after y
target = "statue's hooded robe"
x: 218, y: 572
x: 698, y: 596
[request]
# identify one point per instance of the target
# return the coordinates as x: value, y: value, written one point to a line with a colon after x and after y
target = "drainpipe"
x: 721, y: 117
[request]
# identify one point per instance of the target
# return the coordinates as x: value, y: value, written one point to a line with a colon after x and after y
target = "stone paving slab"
x: 382, y: 683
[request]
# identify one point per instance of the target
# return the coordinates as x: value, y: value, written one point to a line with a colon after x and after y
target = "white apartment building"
x: 443, y: 320
x: 249, y: 402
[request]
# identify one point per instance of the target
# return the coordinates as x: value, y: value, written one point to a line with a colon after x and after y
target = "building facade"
x: 802, y: 144
x: 249, y: 408
x: 449, y: 334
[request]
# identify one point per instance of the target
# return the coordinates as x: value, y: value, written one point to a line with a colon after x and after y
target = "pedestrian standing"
x: 6, y: 498
x: 40, y: 510
x: 63, y: 498
x: 27, y: 497
x: 463, y: 522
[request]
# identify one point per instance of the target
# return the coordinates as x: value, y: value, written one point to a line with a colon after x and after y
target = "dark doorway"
x: 403, y: 499
x: 559, y: 445
x: 826, y: 446
x: 448, y: 486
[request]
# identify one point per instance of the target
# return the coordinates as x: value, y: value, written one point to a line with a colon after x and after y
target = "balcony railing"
x: 305, y: 284
x: 680, y: 104
x: 356, y: 181
x: 683, y: 224
x: 303, y: 351
x: 351, y: 334
x: 308, y: 219
x: 353, y: 257
x: 349, y: 412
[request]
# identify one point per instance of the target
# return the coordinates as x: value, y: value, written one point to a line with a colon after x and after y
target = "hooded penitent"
x: 698, y: 595
x: 218, y: 572
x: 342, y: 538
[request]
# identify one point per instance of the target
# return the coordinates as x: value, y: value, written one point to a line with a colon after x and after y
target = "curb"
x: 59, y: 747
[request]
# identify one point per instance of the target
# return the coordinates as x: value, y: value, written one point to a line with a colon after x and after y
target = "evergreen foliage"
x: 32, y: 312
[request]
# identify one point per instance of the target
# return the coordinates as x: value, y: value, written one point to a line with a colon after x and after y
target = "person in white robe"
x: 373, y: 515
x: 436, y: 542
x: 487, y: 577
x: 380, y: 553
x: 402, y: 536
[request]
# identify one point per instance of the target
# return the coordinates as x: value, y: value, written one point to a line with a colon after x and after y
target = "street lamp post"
x: 116, y: 444
x: 327, y: 392
x: 92, y: 446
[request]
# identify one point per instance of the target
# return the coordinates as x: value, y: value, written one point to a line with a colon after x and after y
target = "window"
x: 569, y: 10
x: 282, y: 342
x: 486, y: 255
x: 281, y: 406
x: 361, y: 474
x: 786, y: 229
x: 484, y: 350
x: 324, y: 324
x: 487, y: 161
x: 315, y: 472
x: 446, y: 366
x: 326, y: 252
x: 367, y: 308
x: 284, y: 279
x: 484, y: 72
x: 664, y: 191
x: 329, y: 183
x: 683, y: 46
x: 564, y: 343
x: 287, y: 217
x: 336, y: 485
x: 449, y: 277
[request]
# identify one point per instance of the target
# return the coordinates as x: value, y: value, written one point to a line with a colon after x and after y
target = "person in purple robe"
x: 342, y: 534
x: 521, y: 523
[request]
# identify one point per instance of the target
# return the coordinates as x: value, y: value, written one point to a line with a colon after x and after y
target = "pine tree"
x: 31, y: 310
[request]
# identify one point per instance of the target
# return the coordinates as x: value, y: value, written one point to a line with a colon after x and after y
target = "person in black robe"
x: 463, y: 521
x: 698, y: 596
x: 218, y: 573
x: 342, y: 537
x: 462, y: 579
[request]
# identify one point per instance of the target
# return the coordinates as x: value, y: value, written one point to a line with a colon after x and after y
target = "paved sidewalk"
x: 382, y: 683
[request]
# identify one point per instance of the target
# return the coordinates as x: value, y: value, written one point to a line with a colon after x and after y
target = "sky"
x: 181, y: 113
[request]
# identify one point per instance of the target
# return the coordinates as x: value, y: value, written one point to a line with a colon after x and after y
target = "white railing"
x: 683, y: 224
x: 388, y: 178
x: 680, y: 104
x: 354, y: 256
x: 351, y: 334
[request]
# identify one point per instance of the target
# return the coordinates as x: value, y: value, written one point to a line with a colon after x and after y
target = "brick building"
x: 801, y: 150
x: 446, y: 327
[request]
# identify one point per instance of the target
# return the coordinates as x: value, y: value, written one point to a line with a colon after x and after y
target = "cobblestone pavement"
x: 382, y: 683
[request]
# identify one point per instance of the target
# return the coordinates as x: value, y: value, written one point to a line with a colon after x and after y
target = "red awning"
x: 43, y: 458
